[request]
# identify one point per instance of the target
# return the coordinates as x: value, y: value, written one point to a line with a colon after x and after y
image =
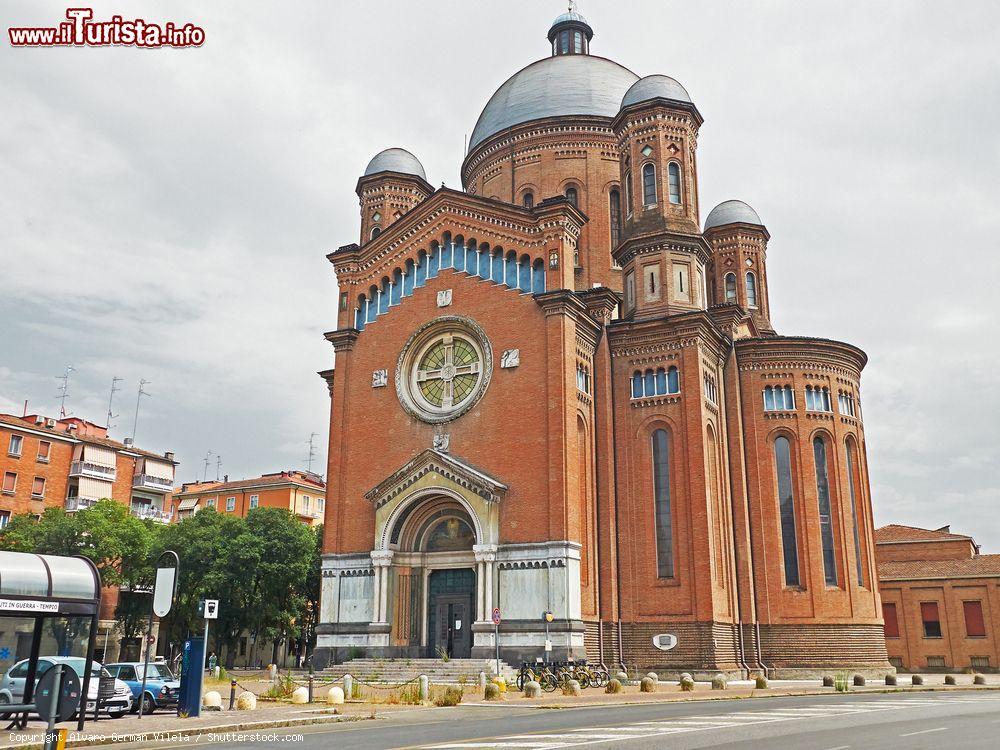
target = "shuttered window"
x: 891, y: 622
x: 931, y: 618
x: 975, y: 627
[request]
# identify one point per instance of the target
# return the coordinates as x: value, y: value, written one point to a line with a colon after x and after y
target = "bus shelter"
x: 49, y: 606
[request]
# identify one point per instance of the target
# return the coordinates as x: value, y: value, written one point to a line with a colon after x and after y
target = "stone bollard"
x: 859, y: 680
x: 532, y: 689
x: 272, y: 672
x: 687, y: 683
x: 653, y: 676
x: 425, y: 687
x: 571, y: 687
x: 348, y: 687
x: 212, y: 701
x: 827, y: 680
x: 246, y: 701
x: 979, y: 680
x: 482, y: 681
x: 614, y: 686
x: 646, y: 685
x: 335, y: 695
x: 760, y: 682
x: 719, y: 682
x: 917, y: 679
x: 622, y: 677
x: 890, y: 680
x: 232, y: 694
x: 949, y: 679
x: 216, y: 672
x: 300, y: 695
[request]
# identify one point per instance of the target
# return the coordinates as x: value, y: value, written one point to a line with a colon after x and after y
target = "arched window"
x: 361, y: 315
x: 538, y: 277
x: 636, y: 384
x: 577, y: 42
x: 528, y: 199
x: 730, y: 287
x: 673, y: 381
x: 751, y: 290
x: 786, y: 509
x: 629, y: 202
x: 524, y: 274
x: 408, y: 278
x: 825, y: 519
x: 372, y: 310
x: 648, y: 184
x: 446, y: 253
x: 496, y: 266
x: 564, y: 42
x: 615, y: 216
x: 396, y: 289
x: 433, y: 262
x: 661, y: 382
x: 855, y: 486
x: 661, y: 499
x: 471, y: 258
x: 383, y: 297
x: 674, y: 182
x: 376, y: 231
x: 420, y: 272
x: 510, y: 271
x: 458, y: 254
x: 571, y: 195
x: 649, y: 384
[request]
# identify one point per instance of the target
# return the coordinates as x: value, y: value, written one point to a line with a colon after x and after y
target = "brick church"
x: 558, y: 391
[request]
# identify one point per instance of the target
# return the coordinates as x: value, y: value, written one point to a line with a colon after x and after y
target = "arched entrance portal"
x: 436, y: 584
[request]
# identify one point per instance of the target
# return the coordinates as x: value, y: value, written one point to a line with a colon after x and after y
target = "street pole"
x: 496, y: 638
x: 204, y: 655
x: 149, y: 630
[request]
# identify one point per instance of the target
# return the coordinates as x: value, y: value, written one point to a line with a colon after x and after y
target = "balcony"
x: 149, y: 482
x: 150, y: 513
x: 92, y: 470
x: 75, y: 502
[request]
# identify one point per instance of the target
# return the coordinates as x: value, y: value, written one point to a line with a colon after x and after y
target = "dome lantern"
x: 570, y: 34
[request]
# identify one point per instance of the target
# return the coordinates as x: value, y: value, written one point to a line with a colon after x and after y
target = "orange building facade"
x: 299, y: 492
x: 558, y: 391
x: 940, y: 600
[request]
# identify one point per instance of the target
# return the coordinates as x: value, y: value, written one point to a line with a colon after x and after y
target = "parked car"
x: 12, y: 684
x: 161, y: 686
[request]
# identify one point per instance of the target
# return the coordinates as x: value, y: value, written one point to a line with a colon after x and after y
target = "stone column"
x: 381, y: 559
x: 486, y: 555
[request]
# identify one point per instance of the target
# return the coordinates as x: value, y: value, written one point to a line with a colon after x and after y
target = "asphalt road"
x: 834, y: 722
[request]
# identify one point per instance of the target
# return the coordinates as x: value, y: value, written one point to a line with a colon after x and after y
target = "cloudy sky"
x: 166, y: 213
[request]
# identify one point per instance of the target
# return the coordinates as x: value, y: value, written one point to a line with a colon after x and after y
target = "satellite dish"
x: 665, y: 641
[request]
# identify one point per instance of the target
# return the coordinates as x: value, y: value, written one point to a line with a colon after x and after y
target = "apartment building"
x: 300, y: 492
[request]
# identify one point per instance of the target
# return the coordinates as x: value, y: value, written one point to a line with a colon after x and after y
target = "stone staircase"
x: 395, y: 671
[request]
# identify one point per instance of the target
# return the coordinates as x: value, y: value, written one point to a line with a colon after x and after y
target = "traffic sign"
x: 68, y: 700
x: 211, y: 610
x: 496, y: 615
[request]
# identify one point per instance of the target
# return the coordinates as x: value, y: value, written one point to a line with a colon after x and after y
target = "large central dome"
x: 573, y: 84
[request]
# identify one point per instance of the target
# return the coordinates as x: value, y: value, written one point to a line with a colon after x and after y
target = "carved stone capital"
x: 382, y: 558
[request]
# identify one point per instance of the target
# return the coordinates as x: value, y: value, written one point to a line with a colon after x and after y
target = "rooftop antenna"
x: 114, y: 389
x: 204, y: 476
x: 218, y: 463
x: 64, y: 390
x: 312, y: 452
x: 138, y: 398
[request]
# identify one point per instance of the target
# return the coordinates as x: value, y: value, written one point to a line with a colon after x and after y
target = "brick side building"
x: 940, y: 600
x: 557, y: 390
x: 299, y: 492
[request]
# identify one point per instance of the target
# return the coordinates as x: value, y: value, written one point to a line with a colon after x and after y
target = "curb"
x: 171, y: 733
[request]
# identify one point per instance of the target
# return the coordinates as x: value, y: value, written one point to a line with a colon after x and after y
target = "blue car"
x: 161, y: 686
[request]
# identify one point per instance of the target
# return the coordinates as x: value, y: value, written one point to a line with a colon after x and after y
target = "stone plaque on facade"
x: 380, y: 378
x: 444, y: 298
x: 510, y: 358
x: 442, y: 442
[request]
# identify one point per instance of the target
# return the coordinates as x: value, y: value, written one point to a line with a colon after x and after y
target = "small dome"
x: 396, y: 160
x: 571, y: 17
x: 732, y: 212
x: 655, y: 87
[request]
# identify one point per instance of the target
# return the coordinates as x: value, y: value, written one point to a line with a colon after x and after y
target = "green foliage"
x: 840, y: 683
x: 452, y: 696
x: 283, y: 688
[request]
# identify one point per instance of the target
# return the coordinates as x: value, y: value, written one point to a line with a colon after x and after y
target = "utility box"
x: 189, y: 695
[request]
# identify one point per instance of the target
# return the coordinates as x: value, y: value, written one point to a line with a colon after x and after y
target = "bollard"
x: 482, y: 681
x: 310, y: 687
x: 348, y: 687
x: 232, y: 693
x: 216, y: 672
x: 424, y: 687
x: 272, y: 670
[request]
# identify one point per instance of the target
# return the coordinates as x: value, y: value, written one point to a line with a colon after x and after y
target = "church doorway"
x: 450, y: 611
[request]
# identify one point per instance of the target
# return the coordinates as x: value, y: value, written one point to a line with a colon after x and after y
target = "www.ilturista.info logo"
x: 82, y: 31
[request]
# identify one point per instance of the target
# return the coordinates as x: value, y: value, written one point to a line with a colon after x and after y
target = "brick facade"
x: 921, y: 567
x: 640, y: 373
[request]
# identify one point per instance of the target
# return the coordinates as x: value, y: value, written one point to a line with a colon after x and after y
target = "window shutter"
x: 929, y: 611
x: 975, y: 627
x: 891, y: 622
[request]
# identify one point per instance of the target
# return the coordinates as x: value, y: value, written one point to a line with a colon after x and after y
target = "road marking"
x: 924, y: 731
x: 839, y: 747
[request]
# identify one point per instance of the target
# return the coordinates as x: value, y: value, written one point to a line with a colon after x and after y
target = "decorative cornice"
x: 342, y: 339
